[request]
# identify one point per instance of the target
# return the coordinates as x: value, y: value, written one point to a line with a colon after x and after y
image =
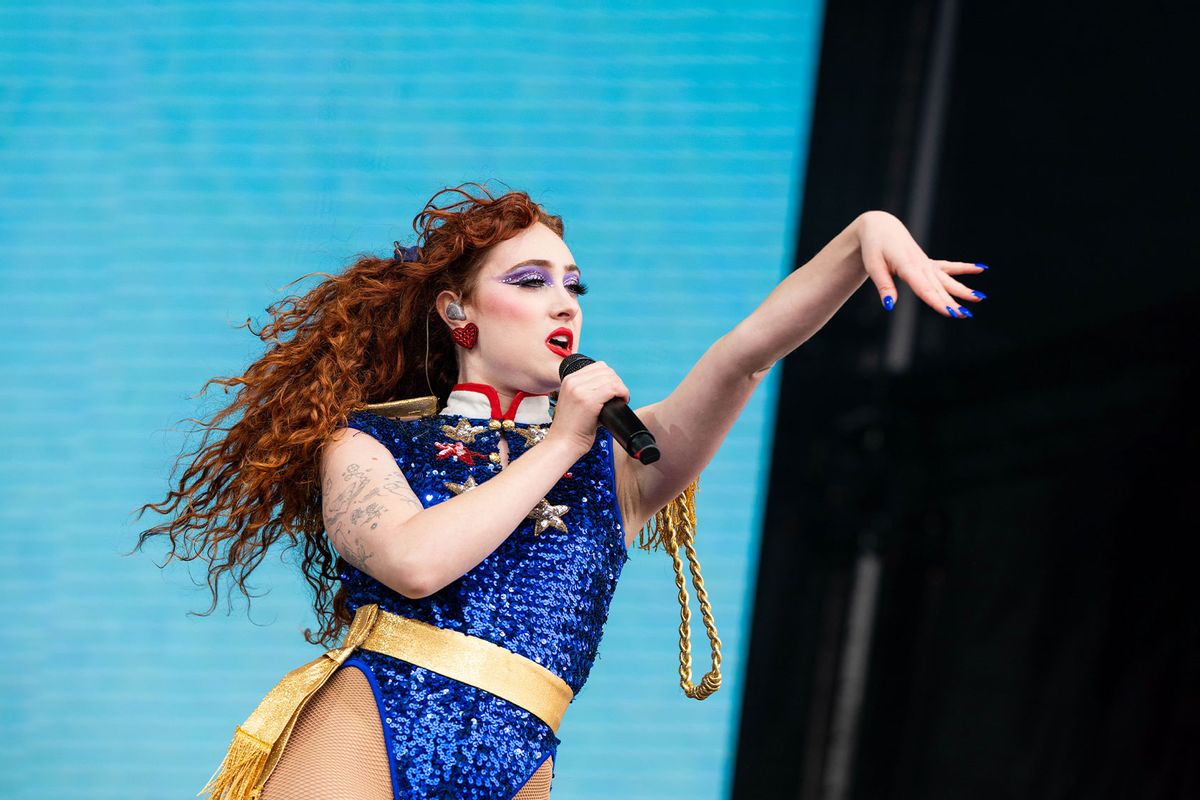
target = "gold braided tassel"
x: 674, y: 527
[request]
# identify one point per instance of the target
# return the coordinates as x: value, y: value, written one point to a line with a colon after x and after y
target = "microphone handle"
x: 626, y: 428
x: 618, y: 417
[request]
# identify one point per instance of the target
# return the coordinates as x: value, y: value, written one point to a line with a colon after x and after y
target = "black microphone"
x: 618, y: 417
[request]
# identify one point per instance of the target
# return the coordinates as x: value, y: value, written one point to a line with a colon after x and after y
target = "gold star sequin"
x: 532, y: 435
x: 459, y: 488
x: 547, y: 516
x: 464, y: 431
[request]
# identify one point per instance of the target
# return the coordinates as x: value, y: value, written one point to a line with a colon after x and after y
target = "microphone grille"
x: 573, y: 363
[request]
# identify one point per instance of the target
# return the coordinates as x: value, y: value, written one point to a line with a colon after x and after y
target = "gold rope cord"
x: 674, y: 526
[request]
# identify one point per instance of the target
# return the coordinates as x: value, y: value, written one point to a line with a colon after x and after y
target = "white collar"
x: 481, y: 401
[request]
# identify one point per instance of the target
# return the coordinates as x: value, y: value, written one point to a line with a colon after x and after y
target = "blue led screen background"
x: 167, y: 168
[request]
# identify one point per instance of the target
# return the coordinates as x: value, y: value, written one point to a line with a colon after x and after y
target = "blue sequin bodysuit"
x: 543, y: 594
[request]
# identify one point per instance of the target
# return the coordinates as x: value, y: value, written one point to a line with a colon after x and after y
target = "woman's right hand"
x: 580, y: 397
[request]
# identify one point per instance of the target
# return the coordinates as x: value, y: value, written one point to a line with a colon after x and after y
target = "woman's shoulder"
x: 385, y: 420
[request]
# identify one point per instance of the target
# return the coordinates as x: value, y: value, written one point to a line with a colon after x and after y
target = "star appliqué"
x: 466, y: 486
x: 464, y: 431
x: 457, y: 450
x: 532, y: 435
x: 546, y: 516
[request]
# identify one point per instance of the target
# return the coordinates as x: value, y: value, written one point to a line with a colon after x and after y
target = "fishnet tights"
x: 337, y: 752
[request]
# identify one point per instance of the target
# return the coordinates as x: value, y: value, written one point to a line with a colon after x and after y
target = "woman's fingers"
x: 958, y: 267
x: 960, y: 290
x: 877, y: 269
x: 921, y: 282
x: 929, y: 279
x: 946, y: 305
x: 926, y: 285
x: 598, y: 378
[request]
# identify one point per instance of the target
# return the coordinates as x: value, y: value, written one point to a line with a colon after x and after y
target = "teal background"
x: 166, y: 168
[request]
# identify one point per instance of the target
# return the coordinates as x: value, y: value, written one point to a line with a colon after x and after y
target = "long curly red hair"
x: 357, y: 337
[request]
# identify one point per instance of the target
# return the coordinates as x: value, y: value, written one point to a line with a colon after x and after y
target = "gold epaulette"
x: 411, y: 407
x: 674, y: 526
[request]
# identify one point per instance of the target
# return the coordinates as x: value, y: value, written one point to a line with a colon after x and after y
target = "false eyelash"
x: 578, y: 287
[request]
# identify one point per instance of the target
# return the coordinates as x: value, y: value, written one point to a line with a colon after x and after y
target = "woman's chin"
x: 546, y: 374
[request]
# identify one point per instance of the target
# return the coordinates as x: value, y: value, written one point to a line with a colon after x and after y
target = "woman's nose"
x: 565, y: 304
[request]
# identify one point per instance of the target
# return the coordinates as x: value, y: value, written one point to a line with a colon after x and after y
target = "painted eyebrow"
x: 541, y: 262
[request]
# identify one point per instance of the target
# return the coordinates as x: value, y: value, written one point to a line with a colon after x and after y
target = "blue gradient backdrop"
x: 166, y: 168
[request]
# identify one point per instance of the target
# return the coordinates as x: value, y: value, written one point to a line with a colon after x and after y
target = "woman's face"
x: 526, y: 289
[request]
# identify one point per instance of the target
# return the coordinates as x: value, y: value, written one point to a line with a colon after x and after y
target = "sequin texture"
x: 543, y: 594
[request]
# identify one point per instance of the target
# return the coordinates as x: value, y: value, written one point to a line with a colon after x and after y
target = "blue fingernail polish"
x: 983, y: 266
x: 951, y: 310
x: 964, y: 311
x: 888, y: 302
x: 980, y: 295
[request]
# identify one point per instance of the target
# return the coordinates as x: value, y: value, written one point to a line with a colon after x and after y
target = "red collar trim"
x: 494, y: 398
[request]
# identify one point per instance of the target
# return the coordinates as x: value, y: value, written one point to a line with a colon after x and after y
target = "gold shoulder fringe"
x: 674, y: 526
x: 409, y: 407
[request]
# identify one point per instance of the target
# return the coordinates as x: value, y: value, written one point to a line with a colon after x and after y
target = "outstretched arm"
x: 691, y: 422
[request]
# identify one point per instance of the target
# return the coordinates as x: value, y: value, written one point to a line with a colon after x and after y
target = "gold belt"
x: 259, y: 741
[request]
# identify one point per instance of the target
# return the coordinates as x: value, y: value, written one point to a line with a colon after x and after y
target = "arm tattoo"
x: 399, y: 489
x: 350, y: 507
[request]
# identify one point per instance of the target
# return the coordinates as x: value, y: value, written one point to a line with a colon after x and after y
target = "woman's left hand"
x: 888, y: 249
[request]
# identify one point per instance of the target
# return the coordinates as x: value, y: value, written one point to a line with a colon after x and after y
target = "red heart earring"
x: 467, y: 335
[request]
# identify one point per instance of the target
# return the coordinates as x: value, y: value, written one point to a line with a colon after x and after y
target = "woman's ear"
x: 443, y: 300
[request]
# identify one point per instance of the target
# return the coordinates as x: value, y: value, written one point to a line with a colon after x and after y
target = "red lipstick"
x: 557, y: 349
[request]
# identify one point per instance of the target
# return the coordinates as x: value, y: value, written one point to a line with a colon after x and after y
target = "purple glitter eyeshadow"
x: 524, y: 274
